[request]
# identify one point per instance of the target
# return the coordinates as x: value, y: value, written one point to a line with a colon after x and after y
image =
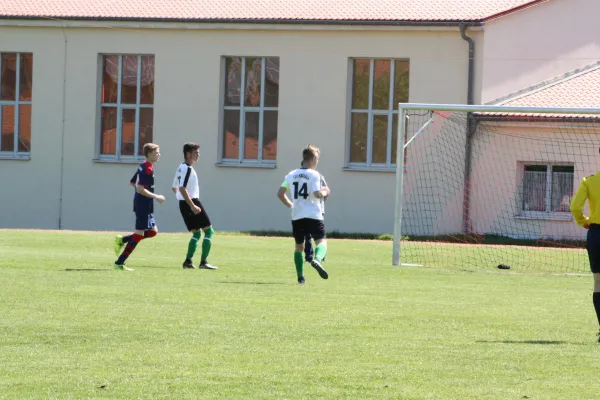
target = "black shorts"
x: 194, y: 221
x: 307, y: 235
x: 308, y: 226
x: 593, y: 247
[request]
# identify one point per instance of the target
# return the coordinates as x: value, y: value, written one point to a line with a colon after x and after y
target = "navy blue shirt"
x: 145, y: 178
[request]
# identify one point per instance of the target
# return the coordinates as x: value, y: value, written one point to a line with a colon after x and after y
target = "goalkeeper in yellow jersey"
x: 589, y: 190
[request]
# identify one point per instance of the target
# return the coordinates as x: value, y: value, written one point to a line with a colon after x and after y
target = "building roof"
x: 575, y: 89
x: 318, y: 11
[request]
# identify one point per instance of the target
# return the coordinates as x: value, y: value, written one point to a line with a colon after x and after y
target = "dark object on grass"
x: 503, y: 266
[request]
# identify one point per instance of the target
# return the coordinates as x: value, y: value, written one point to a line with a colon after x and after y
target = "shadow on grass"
x: 523, y: 341
x: 251, y: 283
x: 89, y: 269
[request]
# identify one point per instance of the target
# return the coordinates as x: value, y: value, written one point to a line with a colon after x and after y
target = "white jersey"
x: 302, y: 183
x: 186, y: 177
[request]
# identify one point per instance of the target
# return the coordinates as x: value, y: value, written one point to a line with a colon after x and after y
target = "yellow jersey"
x: 589, y: 189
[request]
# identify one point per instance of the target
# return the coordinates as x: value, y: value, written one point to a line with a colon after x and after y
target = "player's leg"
x: 308, y: 248
x: 596, y: 299
x: 143, y: 222
x: 150, y: 233
x: 298, y: 231
x: 192, y: 246
x: 593, y: 249
x: 203, y: 220
x: 318, y: 233
x: 121, y: 240
x: 188, y: 219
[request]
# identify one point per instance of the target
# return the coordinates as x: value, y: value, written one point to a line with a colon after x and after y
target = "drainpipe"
x: 469, y: 134
x: 62, y: 146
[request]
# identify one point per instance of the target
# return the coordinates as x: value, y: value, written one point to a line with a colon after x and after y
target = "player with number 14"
x: 304, y: 185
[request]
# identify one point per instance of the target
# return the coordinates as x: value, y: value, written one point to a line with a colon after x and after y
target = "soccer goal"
x: 489, y: 186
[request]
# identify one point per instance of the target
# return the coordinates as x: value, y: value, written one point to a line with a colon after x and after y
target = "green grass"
x: 520, y: 258
x: 248, y: 331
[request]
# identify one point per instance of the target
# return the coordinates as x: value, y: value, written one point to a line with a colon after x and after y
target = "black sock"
x: 596, y: 298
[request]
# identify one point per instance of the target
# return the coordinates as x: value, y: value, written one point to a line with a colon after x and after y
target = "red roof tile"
x: 297, y: 10
x: 575, y: 89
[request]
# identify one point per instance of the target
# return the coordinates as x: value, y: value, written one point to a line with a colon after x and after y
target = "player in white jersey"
x: 308, y: 248
x: 304, y: 185
x: 195, y: 217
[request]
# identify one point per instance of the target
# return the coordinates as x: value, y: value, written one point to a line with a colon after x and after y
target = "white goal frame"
x: 403, y: 107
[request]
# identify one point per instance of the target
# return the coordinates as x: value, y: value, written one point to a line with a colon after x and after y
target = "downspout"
x: 466, y: 220
x: 62, y: 144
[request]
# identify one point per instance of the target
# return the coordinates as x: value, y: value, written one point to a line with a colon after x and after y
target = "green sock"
x: 299, y: 261
x: 193, y: 245
x: 207, y: 243
x: 321, y: 251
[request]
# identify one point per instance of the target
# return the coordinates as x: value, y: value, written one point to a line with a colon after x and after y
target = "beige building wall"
x: 29, y: 189
x: 313, y: 108
x: 538, y: 43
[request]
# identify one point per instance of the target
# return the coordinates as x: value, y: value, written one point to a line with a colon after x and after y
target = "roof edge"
x: 432, y: 23
x: 525, y: 118
x: 544, y: 84
x: 513, y: 10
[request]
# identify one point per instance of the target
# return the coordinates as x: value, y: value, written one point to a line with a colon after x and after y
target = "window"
x: 126, y: 106
x: 16, y: 71
x: 250, y: 110
x: 546, y: 188
x: 378, y: 85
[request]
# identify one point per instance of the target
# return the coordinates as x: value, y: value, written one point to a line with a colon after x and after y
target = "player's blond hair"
x: 149, y: 148
x: 310, y: 152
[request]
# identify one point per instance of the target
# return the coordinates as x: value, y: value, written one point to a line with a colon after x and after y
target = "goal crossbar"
x: 402, y: 144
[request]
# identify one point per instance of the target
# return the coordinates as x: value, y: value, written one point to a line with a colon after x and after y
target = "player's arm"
x: 184, y: 174
x: 324, y: 184
x: 145, y: 192
x: 143, y: 183
x: 282, y: 194
x: 577, y: 205
x: 175, y: 184
x: 316, y: 189
x: 186, y: 196
x: 133, y: 179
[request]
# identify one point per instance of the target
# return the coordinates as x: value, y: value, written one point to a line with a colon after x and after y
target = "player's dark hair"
x: 190, y: 147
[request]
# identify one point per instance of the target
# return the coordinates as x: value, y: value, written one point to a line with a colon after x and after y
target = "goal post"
x: 509, y: 178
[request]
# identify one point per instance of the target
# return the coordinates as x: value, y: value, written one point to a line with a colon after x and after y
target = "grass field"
x: 248, y: 331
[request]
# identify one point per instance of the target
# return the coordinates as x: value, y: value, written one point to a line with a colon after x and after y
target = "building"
x: 97, y: 80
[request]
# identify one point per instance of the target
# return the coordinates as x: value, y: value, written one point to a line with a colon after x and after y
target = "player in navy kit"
x: 143, y: 207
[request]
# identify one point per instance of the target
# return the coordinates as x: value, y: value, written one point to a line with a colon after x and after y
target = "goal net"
x: 483, y: 186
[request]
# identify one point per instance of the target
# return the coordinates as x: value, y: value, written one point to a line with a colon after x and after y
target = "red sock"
x: 135, y: 239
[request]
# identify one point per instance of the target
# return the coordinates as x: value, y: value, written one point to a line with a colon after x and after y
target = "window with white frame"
x: 546, y: 188
x: 126, y: 106
x: 378, y: 85
x: 250, y: 110
x: 16, y: 70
